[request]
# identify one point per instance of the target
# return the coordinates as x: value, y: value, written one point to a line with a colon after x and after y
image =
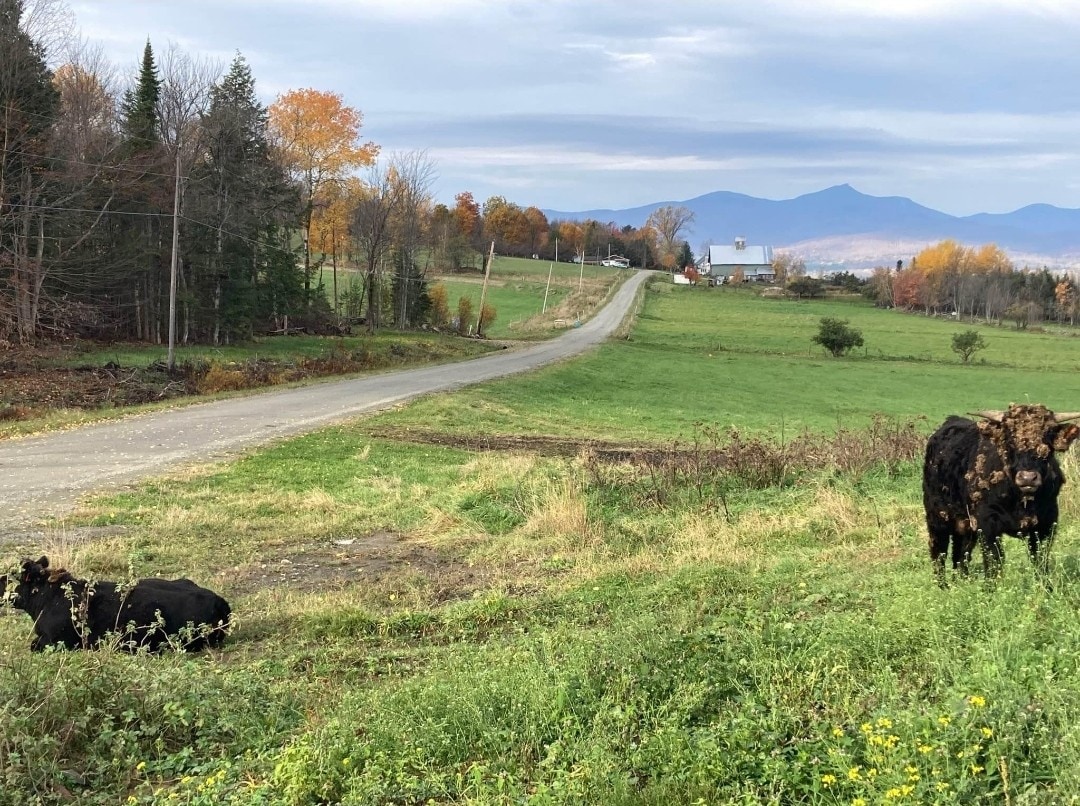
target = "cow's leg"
x: 939, y: 547
x: 993, y: 556
x: 962, y: 546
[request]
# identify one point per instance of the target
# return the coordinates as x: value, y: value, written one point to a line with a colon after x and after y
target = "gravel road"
x: 44, y: 476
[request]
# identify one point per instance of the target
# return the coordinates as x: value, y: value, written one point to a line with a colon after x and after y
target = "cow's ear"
x: 43, y: 562
x: 1066, y: 433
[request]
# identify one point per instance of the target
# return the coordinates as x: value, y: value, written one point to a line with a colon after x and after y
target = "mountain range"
x: 844, y: 227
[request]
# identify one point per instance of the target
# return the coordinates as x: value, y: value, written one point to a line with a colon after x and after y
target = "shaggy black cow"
x: 993, y: 477
x: 152, y: 613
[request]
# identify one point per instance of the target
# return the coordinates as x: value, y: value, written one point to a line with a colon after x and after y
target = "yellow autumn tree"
x: 571, y: 238
x: 939, y: 266
x: 330, y: 216
x: 317, y: 139
x: 989, y: 259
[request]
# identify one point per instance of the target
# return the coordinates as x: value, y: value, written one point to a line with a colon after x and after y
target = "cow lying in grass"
x: 152, y: 613
x: 993, y: 477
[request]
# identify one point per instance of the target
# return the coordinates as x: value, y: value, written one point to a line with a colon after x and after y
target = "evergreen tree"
x: 29, y: 104
x: 140, y: 107
x: 240, y: 277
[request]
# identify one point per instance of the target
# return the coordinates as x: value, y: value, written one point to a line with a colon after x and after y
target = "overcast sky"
x: 962, y: 105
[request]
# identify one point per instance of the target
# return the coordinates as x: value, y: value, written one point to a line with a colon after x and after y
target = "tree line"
x: 978, y: 282
x: 175, y: 198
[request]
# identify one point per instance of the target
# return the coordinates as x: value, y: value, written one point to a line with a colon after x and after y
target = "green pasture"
x: 421, y: 621
x: 514, y: 301
x: 735, y: 359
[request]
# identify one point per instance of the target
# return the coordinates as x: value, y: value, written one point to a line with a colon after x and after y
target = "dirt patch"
x: 543, y: 444
x: 345, y: 562
x: 33, y: 382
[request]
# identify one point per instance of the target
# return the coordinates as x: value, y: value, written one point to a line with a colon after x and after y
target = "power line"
x: 214, y: 227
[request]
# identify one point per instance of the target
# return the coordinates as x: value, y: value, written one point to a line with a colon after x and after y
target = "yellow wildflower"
x: 941, y: 786
x: 987, y: 732
x: 943, y: 721
x: 828, y: 779
x: 837, y: 732
x: 866, y: 727
x: 140, y: 766
x: 859, y: 802
x: 853, y: 774
x: 926, y: 748
x: 872, y: 772
x: 893, y: 793
x: 884, y: 723
x: 976, y: 769
x: 976, y: 701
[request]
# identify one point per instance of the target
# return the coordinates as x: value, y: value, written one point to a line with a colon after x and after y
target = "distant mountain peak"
x: 844, y: 225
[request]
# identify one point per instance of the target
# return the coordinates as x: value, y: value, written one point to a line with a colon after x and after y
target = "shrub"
x: 487, y: 316
x: 968, y: 343
x: 806, y: 287
x: 440, y: 306
x: 464, y: 312
x: 836, y: 336
x: 220, y: 378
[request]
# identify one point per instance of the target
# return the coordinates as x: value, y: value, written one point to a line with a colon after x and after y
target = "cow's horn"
x: 1065, y: 416
x: 994, y: 416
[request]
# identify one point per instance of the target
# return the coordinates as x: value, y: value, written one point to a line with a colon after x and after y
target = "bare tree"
x: 414, y: 173
x: 372, y: 228
x: 50, y: 23
x: 186, y: 84
x: 669, y: 222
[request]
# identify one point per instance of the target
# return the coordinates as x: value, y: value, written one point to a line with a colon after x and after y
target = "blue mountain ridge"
x: 842, y: 210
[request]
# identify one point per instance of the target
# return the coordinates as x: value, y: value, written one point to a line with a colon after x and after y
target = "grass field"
x: 516, y: 289
x: 735, y: 359
x: 421, y: 621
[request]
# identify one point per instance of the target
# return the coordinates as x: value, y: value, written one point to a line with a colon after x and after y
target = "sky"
x: 964, y: 106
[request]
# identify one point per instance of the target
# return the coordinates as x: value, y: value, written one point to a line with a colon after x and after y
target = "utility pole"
x: 483, y: 289
x: 171, y: 360
x: 551, y: 266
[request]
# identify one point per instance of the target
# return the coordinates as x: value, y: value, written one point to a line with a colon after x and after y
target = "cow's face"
x: 33, y: 577
x: 1027, y: 437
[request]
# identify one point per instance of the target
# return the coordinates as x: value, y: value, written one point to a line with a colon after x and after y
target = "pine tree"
x: 28, y: 107
x: 140, y: 107
x: 243, y: 195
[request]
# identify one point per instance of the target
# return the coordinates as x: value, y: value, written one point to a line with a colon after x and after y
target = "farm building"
x: 723, y: 261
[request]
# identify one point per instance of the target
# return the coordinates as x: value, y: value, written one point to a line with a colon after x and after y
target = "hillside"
x: 844, y: 226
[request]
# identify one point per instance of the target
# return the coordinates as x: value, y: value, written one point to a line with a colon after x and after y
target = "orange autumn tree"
x: 467, y: 222
x: 317, y: 138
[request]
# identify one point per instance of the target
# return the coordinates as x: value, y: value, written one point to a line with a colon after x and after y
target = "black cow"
x: 993, y: 477
x: 152, y: 613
